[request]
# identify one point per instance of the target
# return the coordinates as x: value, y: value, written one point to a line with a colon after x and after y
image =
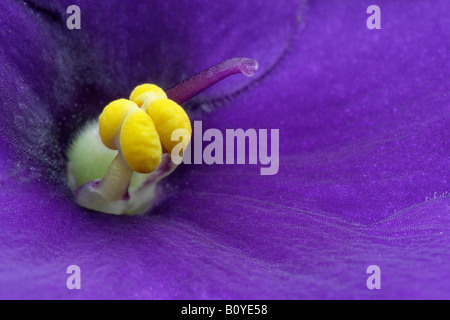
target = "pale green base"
x: 89, y: 159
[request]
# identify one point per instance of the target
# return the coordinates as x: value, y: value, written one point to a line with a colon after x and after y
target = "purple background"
x: 364, y: 140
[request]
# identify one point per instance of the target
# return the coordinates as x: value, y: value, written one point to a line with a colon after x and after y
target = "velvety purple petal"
x: 363, y: 118
x: 167, y: 41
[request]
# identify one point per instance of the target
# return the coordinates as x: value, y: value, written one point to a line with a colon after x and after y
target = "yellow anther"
x: 145, y: 93
x: 139, y: 142
x: 111, y: 120
x: 141, y: 133
x: 168, y: 116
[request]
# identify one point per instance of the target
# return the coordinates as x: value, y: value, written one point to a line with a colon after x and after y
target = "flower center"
x: 116, y: 162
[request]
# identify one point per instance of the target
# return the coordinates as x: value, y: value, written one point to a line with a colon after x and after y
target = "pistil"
x: 141, y: 129
x: 192, y: 86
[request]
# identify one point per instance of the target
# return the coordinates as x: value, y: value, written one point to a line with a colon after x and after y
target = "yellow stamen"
x: 139, y: 130
x: 168, y: 116
x: 145, y: 93
x: 139, y: 142
x: 111, y: 120
x: 112, y: 186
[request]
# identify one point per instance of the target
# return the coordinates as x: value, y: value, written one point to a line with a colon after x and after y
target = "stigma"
x: 115, y: 162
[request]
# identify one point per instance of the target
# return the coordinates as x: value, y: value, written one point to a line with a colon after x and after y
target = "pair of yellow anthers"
x: 141, y: 128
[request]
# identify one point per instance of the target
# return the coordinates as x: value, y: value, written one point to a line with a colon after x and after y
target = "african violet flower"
x: 114, y: 164
x: 363, y: 179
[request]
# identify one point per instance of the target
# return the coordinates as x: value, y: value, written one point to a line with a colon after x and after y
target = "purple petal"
x: 363, y: 118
